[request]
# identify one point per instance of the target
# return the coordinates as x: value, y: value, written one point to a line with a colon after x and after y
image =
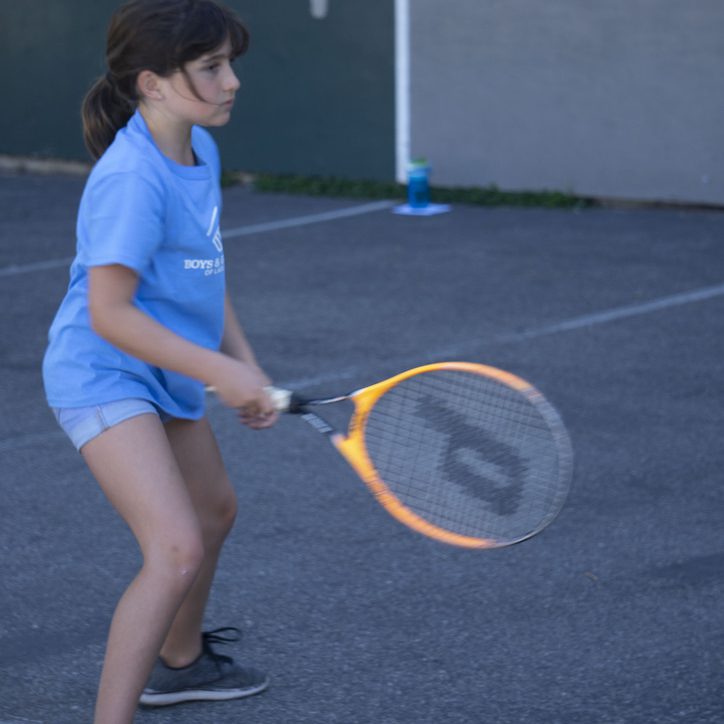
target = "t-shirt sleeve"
x: 124, y: 222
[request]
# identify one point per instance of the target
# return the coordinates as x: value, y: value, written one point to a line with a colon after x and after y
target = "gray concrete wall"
x: 621, y: 98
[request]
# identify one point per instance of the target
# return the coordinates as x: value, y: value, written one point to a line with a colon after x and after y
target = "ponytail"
x: 104, y: 112
x: 160, y: 36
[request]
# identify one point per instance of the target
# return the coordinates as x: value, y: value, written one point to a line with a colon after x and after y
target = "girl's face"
x: 204, y: 94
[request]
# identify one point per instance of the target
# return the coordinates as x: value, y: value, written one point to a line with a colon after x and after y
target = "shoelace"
x: 215, y: 637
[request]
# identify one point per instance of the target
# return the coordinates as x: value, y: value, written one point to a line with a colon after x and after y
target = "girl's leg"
x: 137, y: 469
x: 214, y: 500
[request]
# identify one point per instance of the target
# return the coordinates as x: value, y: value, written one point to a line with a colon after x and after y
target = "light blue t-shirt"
x: 144, y: 211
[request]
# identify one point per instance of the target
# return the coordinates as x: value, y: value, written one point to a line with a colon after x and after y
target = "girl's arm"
x: 234, y: 342
x: 114, y: 317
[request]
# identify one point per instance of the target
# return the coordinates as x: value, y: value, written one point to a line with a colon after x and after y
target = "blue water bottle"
x: 418, y: 190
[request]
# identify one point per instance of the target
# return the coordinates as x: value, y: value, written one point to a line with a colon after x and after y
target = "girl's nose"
x: 232, y: 81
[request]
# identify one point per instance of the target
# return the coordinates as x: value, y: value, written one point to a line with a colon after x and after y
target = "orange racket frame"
x: 352, y: 446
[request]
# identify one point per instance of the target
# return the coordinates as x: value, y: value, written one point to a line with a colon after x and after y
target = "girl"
x: 145, y: 326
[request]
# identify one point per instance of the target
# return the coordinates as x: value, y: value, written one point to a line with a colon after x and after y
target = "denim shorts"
x: 82, y: 424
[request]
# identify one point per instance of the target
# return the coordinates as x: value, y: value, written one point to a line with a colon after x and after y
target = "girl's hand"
x: 241, y: 385
x: 258, y: 421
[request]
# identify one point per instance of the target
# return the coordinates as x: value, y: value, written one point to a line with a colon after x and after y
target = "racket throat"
x: 318, y: 423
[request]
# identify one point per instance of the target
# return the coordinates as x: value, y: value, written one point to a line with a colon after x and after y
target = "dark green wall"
x: 49, y: 53
x: 317, y: 95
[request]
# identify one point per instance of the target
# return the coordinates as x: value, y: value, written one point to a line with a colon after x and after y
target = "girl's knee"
x: 177, y: 558
x: 219, y: 517
x: 227, y: 512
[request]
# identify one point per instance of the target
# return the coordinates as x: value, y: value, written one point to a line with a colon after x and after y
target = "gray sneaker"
x: 212, y: 677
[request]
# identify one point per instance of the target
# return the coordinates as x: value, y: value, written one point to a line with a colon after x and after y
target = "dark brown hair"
x: 156, y: 35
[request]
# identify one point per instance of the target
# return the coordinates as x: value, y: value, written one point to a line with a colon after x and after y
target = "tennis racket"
x: 463, y: 453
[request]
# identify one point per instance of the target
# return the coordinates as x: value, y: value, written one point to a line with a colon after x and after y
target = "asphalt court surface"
x: 613, y: 615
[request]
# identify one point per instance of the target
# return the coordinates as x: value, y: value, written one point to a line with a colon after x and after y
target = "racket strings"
x: 469, y: 454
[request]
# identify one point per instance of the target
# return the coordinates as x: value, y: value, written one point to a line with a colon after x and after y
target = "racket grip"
x: 281, y: 399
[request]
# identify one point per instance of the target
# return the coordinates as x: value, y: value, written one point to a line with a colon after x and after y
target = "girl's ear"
x: 149, y: 85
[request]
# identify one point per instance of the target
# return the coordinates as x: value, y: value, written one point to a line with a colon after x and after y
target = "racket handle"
x: 281, y: 399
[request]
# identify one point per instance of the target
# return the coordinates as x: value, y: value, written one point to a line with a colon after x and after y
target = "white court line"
x: 582, y: 322
x: 16, y: 269
x: 309, y: 219
x: 611, y: 315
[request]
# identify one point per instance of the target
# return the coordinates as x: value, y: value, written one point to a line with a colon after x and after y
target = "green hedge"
x: 486, y: 196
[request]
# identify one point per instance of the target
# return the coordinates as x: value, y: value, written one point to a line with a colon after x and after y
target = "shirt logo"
x: 214, y: 265
x: 214, y: 228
